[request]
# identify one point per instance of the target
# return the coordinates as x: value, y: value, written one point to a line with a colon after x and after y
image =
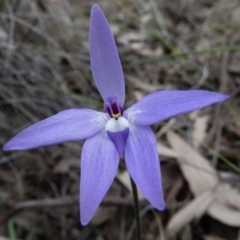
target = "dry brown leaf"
x: 165, y: 151
x: 227, y: 206
x: 64, y: 165
x: 225, y: 193
x: 196, y: 169
x: 202, y: 178
x: 195, y: 209
x: 224, y: 214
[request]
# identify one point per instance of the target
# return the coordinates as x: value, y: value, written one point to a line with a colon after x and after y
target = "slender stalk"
x: 136, y: 208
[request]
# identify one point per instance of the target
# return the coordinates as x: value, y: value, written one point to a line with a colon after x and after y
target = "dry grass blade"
x: 200, y: 129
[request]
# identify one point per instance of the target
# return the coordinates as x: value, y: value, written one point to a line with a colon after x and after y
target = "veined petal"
x: 99, y: 164
x: 106, y: 67
x: 68, y: 125
x: 143, y: 164
x: 162, y: 105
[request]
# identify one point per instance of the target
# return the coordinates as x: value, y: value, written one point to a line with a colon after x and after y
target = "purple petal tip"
x: 96, y: 7
x: 162, y: 105
x: 160, y: 206
x: 11, y: 145
x: 225, y: 97
x: 6, y: 148
x: 105, y: 63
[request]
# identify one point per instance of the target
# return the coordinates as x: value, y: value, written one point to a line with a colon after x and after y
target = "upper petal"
x: 162, y: 105
x: 68, y: 125
x: 143, y: 164
x: 99, y: 164
x: 106, y: 67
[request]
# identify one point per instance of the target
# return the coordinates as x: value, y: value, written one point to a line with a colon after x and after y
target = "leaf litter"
x: 220, y: 200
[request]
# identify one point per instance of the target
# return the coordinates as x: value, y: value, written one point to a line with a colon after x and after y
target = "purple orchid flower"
x: 115, y: 133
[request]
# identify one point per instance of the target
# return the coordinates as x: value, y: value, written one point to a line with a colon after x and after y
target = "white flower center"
x: 117, y: 125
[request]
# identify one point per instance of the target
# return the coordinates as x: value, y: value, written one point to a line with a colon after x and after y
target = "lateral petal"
x: 162, y: 105
x: 68, y: 125
x: 99, y: 164
x: 105, y: 63
x: 143, y: 164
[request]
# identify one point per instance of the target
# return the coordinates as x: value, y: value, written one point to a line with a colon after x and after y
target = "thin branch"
x: 62, y: 202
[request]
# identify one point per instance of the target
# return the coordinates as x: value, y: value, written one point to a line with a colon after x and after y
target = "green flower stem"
x: 136, y: 208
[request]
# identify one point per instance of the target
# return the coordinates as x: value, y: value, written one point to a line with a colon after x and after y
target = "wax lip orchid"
x: 115, y: 133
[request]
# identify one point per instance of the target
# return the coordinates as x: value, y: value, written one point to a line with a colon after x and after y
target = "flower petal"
x: 162, y: 105
x: 143, y: 164
x: 68, y: 125
x: 118, y: 130
x: 106, y: 67
x: 99, y: 164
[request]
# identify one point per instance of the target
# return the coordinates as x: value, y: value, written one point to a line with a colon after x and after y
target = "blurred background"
x: 45, y: 68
